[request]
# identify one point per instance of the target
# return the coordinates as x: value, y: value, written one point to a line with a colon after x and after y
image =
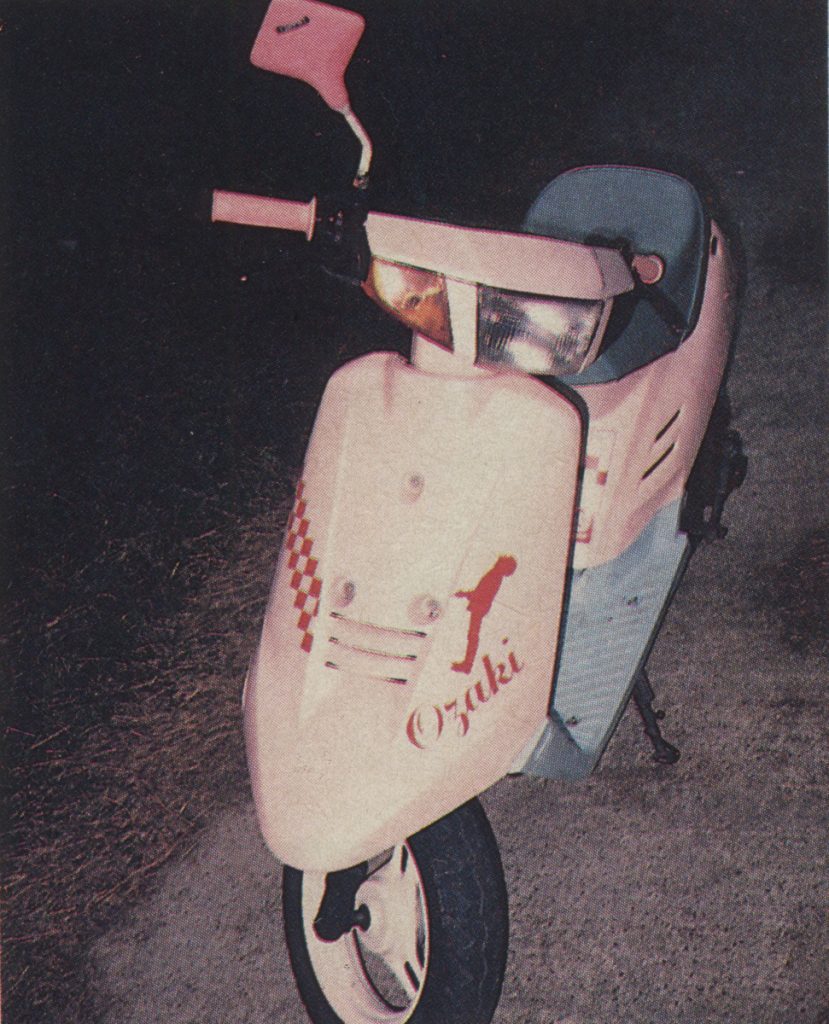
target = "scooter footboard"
x: 613, y: 616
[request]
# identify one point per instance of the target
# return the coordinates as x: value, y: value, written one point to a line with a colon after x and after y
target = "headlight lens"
x: 417, y: 297
x: 534, y: 333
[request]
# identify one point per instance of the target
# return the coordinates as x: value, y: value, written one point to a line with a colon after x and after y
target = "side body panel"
x: 645, y: 430
x: 410, y: 639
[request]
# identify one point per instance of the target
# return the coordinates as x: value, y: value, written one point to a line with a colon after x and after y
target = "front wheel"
x: 431, y: 943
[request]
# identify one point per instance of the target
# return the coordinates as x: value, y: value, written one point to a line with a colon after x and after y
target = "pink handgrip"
x: 262, y: 212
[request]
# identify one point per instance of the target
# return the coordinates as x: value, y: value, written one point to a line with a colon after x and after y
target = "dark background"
x: 161, y: 373
x: 137, y: 357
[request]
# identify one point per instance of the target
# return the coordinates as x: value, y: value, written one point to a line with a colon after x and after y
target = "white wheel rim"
x: 376, y: 976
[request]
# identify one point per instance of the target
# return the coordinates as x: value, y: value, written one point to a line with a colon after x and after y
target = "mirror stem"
x: 361, y: 179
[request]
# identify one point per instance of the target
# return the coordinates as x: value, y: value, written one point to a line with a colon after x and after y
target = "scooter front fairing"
x: 409, y: 643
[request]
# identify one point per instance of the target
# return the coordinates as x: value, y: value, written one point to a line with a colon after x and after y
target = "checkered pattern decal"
x: 304, y: 580
x: 596, y: 466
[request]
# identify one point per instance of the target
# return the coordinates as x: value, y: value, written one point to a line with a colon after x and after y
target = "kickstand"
x: 663, y: 752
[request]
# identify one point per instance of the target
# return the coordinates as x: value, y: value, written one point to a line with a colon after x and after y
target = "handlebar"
x: 263, y: 212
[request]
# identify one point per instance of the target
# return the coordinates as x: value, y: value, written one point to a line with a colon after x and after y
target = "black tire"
x: 459, y: 868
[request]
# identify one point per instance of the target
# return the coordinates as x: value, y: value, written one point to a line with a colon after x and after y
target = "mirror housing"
x: 312, y: 42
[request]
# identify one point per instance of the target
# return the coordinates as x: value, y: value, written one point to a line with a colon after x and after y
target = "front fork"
x: 337, y: 913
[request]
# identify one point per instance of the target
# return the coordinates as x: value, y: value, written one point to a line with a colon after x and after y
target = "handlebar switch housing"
x: 339, y: 241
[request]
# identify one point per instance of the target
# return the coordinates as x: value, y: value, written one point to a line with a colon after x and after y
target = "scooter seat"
x: 642, y: 212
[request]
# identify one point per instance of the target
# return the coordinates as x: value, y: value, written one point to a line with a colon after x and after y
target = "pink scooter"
x: 482, y: 547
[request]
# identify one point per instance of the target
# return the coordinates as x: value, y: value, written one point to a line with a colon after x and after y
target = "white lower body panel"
x: 613, y: 615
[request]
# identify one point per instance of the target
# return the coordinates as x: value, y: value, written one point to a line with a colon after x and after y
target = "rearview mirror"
x: 314, y: 42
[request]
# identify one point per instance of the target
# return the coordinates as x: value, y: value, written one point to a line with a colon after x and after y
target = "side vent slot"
x: 658, y: 462
x: 667, y: 426
x: 399, y: 681
x: 365, y: 649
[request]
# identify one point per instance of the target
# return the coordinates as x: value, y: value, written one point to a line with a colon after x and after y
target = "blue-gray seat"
x: 642, y: 212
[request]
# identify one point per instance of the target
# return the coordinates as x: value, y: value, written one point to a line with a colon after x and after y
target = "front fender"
x: 410, y: 638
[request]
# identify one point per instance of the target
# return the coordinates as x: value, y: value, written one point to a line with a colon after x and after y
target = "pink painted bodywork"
x: 312, y: 42
x: 662, y: 408
x: 409, y: 642
x: 515, y: 261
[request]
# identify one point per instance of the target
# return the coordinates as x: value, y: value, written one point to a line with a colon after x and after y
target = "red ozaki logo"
x: 426, y: 723
x: 479, y: 603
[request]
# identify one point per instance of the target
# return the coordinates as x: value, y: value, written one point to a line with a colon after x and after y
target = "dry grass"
x: 156, y: 438
x: 95, y: 807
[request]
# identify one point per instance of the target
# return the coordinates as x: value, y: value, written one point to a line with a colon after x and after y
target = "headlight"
x: 417, y: 297
x: 534, y: 333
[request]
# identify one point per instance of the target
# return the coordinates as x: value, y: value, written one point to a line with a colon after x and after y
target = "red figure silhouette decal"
x: 479, y: 602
